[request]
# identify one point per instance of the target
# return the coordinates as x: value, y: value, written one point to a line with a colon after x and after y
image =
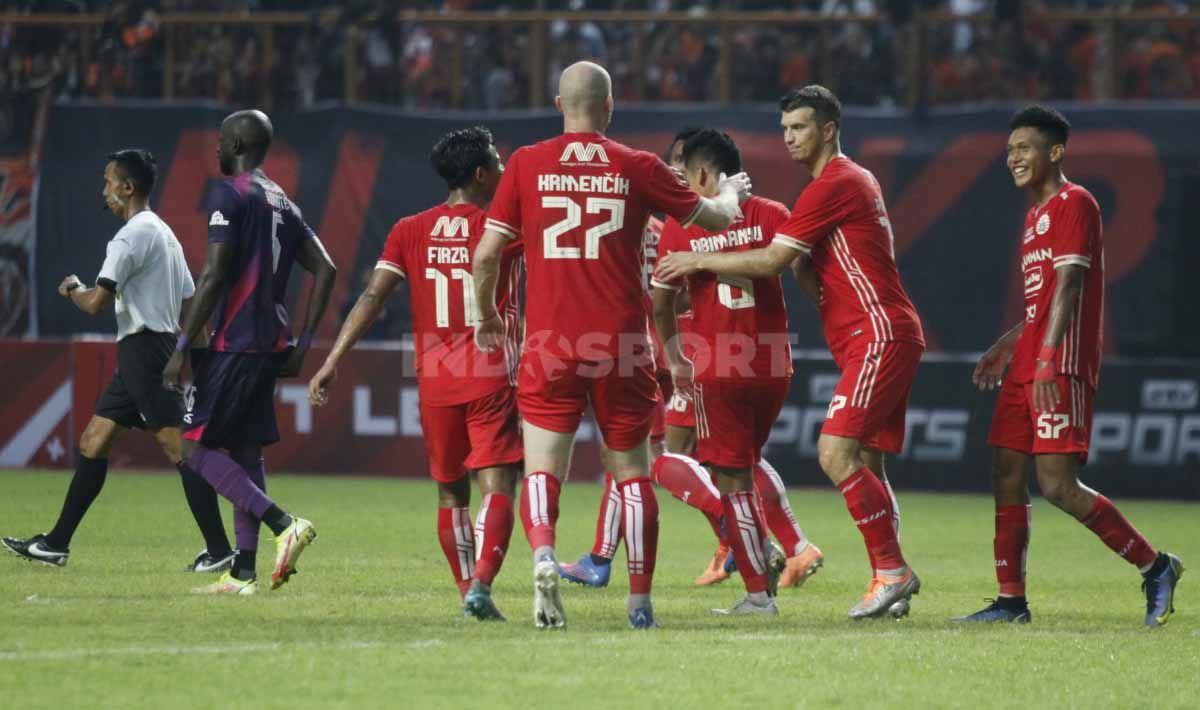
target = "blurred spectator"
x: 979, y: 50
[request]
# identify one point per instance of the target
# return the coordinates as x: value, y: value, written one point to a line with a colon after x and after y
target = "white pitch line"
x: 241, y: 648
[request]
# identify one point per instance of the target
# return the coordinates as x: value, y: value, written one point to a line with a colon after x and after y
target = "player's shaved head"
x: 585, y: 89
x: 245, y: 139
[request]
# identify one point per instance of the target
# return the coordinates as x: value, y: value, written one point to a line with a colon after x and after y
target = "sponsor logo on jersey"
x: 1043, y: 223
x: 1029, y: 235
x: 1033, y: 280
x: 218, y: 220
x: 455, y: 228
x: 1035, y: 255
x: 1030, y: 313
x: 577, y: 153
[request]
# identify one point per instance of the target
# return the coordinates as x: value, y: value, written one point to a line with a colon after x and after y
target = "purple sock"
x: 231, y: 481
x: 245, y: 525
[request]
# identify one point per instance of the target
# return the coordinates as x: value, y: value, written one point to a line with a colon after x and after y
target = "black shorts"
x: 135, y: 397
x: 233, y: 401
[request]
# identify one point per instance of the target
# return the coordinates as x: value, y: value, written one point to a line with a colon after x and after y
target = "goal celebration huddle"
x: 584, y: 277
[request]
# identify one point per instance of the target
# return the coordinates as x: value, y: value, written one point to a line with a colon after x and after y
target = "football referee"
x: 147, y: 278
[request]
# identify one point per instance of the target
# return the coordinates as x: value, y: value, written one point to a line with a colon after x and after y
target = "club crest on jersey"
x: 577, y: 153
x: 450, y: 228
x: 218, y: 220
x: 1043, y: 224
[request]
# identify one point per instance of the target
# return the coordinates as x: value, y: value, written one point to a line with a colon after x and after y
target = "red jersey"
x: 433, y: 251
x: 1066, y: 230
x: 839, y: 219
x: 741, y: 324
x: 579, y: 203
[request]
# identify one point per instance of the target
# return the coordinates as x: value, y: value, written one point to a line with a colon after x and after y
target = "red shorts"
x: 871, y: 396
x: 734, y: 419
x: 554, y: 394
x: 658, y: 428
x: 467, y: 437
x: 1066, y: 430
x: 680, y: 411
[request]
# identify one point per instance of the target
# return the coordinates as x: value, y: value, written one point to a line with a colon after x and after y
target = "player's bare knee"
x: 499, y: 480
x: 98, y: 437
x: 456, y: 494
x: 838, y: 459
x: 171, y: 443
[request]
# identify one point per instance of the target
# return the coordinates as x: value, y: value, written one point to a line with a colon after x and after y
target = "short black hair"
x: 1050, y: 123
x: 456, y: 155
x: 138, y: 166
x: 822, y: 101
x: 715, y: 148
x: 680, y: 137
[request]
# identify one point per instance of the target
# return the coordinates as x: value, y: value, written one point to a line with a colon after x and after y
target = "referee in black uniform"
x: 146, y: 277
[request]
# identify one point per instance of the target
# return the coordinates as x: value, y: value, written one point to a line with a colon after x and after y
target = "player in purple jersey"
x: 255, y: 235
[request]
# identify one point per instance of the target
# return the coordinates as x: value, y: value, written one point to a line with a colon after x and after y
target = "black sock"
x: 244, y: 564
x: 1160, y: 563
x: 206, y: 509
x: 1012, y: 603
x: 598, y: 560
x: 276, y: 519
x: 85, y: 486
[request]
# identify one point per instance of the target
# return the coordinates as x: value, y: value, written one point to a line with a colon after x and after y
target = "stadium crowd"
x: 1020, y: 53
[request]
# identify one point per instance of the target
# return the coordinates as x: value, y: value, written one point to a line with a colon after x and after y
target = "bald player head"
x: 245, y: 140
x: 585, y: 97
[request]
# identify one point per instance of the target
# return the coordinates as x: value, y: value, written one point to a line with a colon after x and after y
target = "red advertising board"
x: 371, y: 424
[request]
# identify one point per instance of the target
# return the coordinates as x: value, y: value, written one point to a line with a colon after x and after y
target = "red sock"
x: 745, y: 538
x: 608, y: 520
x: 454, y: 534
x: 539, y: 509
x: 493, y: 530
x: 868, y: 503
x: 1010, y: 545
x: 689, y: 482
x: 772, y: 497
x: 1116, y: 532
x: 641, y: 532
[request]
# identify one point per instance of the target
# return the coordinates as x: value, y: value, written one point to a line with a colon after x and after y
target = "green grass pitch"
x: 373, y: 619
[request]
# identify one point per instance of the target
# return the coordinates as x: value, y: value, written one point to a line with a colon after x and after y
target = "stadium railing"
x: 1111, y: 33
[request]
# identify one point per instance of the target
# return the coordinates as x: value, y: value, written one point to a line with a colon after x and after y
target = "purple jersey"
x: 254, y: 216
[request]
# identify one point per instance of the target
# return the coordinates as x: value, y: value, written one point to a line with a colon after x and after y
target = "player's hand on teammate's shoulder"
x: 739, y: 184
x: 69, y: 284
x: 489, y: 333
x: 318, y: 386
x: 677, y: 265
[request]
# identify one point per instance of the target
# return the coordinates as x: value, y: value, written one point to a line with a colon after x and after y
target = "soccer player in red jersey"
x: 467, y: 399
x: 686, y: 480
x: 840, y: 226
x: 1044, y: 409
x: 741, y: 364
x: 579, y: 203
